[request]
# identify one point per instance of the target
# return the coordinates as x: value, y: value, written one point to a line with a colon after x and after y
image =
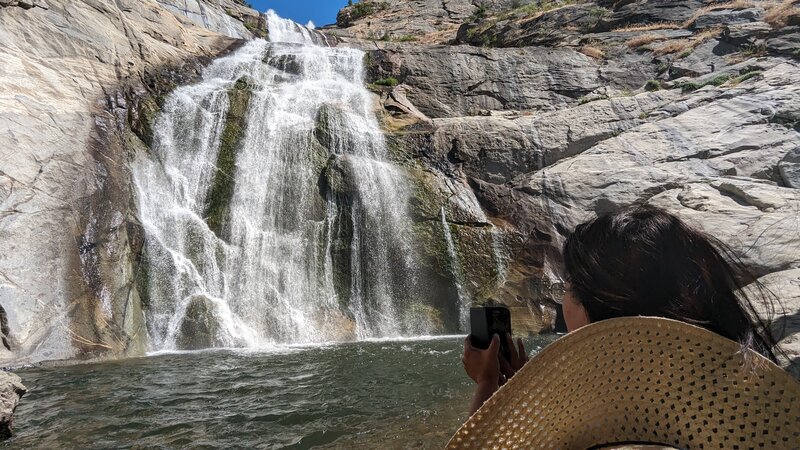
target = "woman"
x: 642, y: 261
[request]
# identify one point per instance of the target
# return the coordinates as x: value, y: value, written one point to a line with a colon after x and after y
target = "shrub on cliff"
x: 353, y: 12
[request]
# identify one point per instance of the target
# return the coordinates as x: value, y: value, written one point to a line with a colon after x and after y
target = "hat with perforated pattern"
x: 640, y: 380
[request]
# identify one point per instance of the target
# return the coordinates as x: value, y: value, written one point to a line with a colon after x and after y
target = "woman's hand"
x: 483, y: 366
x: 517, y: 355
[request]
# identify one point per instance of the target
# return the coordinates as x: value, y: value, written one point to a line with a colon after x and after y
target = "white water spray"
x: 303, y: 257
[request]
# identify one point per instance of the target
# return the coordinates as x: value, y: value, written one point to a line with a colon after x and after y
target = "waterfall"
x: 464, y: 301
x: 271, y: 210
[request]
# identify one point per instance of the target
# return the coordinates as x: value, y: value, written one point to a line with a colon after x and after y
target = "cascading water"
x: 271, y: 212
x: 464, y: 301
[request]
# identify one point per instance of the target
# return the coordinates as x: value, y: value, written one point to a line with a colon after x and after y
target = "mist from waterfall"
x: 300, y: 257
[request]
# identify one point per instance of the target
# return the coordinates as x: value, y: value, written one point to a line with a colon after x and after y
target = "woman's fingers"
x: 506, y: 368
x: 523, y: 355
x: 494, y: 346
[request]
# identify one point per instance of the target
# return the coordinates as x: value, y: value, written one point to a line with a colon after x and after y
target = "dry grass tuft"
x: 738, y: 4
x: 677, y: 46
x: 681, y: 46
x: 644, y: 39
x: 592, y: 52
x: 778, y: 15
x: 649, y: 27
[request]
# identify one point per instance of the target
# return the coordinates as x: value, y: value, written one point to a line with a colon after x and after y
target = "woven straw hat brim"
x: 640, y: 379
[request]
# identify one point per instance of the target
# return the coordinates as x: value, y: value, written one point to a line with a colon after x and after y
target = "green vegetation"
x: 745, y: 76
x: 390, y: 81
x: 753, y: 50
x: 477, y: 15
x: 689, y: 86
x: 598, y: 12
x: 257, y: 32
x: 538, y: 7
x: 366, y: 8
x: 591, y: 98
x: 404, y: 38
x: 221, y: 191
x: 652, y: 85
x: 686, y: 53
x: 141, y: 118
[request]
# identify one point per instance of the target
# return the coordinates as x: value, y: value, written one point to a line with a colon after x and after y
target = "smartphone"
x: 486, y: 321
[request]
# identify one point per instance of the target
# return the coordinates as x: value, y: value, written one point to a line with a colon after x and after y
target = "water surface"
x: 373, y: 394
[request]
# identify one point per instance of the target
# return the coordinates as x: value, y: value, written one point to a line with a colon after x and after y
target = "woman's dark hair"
x: 645, y: 261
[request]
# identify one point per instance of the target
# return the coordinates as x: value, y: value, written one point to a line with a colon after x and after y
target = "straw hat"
x: 642, y: 380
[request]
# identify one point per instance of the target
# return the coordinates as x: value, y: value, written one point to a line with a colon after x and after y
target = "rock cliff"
x: 555, y: 111
x: 75, y: 74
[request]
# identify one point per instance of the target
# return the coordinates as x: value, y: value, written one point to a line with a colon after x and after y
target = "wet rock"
x: 200, y: 326
x: 339, y: 176
x: 220, y: 193
x: 11, y: 391
x: 286, y: 63
x: 420, y: 320
x: 329, y: 127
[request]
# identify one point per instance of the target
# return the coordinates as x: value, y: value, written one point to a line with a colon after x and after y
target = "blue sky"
x: 321, y: 12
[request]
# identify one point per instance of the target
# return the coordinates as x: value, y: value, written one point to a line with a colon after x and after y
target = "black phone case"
x: 487, y: 321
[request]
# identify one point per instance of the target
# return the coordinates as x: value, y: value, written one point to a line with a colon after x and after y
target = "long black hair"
x: 645, y: 261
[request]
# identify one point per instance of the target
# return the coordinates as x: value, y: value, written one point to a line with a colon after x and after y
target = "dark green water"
x: 397, y: 394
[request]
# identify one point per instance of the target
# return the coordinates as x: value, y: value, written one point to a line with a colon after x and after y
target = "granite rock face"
x: 70, y: 77
x: 448, y: 81
x: 555, y: 113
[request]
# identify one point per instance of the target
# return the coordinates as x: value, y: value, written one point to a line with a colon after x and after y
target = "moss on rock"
x: 141, y: 117
x: 219, y: 195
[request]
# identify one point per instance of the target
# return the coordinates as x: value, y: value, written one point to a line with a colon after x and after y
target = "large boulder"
x: 200, y: 327
x: 11, y: 391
